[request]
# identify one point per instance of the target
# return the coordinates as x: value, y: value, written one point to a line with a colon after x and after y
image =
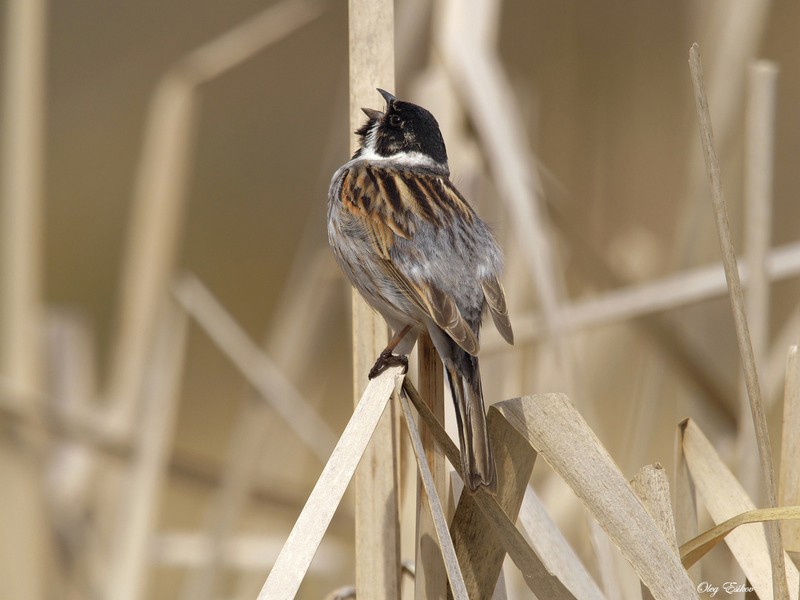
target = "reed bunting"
x: 416, y: 251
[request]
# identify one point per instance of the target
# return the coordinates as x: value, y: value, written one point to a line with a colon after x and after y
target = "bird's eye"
x: 395, y: 120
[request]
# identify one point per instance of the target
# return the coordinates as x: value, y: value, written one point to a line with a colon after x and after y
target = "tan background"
x: 606, y: 97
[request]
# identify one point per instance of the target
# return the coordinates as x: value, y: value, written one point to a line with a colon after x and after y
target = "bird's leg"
x: 386, y: 359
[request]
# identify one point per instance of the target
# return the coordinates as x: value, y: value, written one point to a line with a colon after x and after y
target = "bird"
x: 419, y: 254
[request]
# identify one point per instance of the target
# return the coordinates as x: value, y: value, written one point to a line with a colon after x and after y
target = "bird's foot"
x: 386, y: 360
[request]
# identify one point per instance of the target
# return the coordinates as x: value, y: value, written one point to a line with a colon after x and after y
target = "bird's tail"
x: 477, y: 460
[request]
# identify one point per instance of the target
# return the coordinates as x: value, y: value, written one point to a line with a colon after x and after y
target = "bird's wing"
x: 388, y: 203
x: 496, y: 299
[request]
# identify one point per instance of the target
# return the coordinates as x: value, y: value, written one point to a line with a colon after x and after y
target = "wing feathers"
x: 496, y: 299
x: 446, y: 315
x: 387, y: 204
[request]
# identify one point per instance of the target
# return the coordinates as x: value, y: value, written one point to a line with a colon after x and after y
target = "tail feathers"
x: 477, y: 461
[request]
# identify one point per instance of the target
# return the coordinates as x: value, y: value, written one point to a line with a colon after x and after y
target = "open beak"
x: 372, y: 113
x: 387, y: 96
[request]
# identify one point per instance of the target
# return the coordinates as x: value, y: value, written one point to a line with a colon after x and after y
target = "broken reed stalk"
x: 452, y: 567
x: 740, y: 320
x: 371, y: 56
x: 295, y: 557
x: 431, y: 577
x: 651, y: 485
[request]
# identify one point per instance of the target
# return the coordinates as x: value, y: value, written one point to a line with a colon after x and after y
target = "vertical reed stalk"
x: 371, y: 52
x: 22, y: 511
x: 127, y: 571
x: 740, y: 320
x: 20, y: 194
x: 789, y: 488
x: 431, y: 576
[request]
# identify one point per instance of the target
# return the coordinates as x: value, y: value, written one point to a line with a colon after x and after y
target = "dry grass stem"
x: 697, y: 548
x: 290, y: 568
x: 789, y: 480
x: 740, y: 319
x: 452, y: 567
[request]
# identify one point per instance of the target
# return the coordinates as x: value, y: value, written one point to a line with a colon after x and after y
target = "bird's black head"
x: 402, y: 129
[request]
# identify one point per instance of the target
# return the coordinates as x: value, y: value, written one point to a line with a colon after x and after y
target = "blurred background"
x: 173, y: 156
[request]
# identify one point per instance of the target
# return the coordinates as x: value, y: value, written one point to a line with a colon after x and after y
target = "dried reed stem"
x: 152, y: 242
x: 454, y: 575
x: 789, y: 486
x: 757, y: 231
x: 651, y: 484
x: 776, y: 362
x: 735, y: 36
x: 740, y: 320
x: 371, y: 56
x: 685, y: 500
x: 24, y: 562
x: 273, y: 386
x: 20, y: 194
x: 696, y: 548
x: 673, y: 291
x: 431, y: 577
x: 296, y: 555
x: 127, y: 572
